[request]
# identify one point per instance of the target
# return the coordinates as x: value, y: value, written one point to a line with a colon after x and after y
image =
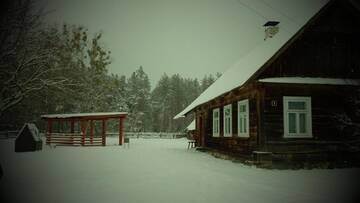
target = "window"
x: 243, y: 118
x: 227, y: 121
x: 297, y: 117
x: 216, y: 123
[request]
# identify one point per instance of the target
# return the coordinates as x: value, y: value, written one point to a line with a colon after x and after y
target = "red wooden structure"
x: 85, y: 121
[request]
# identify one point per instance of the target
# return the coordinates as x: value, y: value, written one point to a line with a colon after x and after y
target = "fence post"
x: 49, y: 131
x: 91, y: 131
x: 103, y: 136
x: 121, y: 131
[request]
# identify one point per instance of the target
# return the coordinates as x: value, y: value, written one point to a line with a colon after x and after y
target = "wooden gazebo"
x: 84, y: 136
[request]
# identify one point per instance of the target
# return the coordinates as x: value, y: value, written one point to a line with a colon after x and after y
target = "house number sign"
x: 273, y: 103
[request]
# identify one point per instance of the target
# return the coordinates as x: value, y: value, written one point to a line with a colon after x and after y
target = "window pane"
x: 242, y: 108
x: 292, y: 123
x: 244, y: 125
x: 302, y: 120
x: 227, y: 112
x: 214, y: 126
x: 240, y: 125
x: 228, y: 125
x: 297, y: 105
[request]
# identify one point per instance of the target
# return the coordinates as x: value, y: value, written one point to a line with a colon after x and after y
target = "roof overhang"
x: 98, y: 115
x: 311, y: 80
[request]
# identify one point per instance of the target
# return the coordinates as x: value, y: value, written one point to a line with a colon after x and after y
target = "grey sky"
x: 189, y: 37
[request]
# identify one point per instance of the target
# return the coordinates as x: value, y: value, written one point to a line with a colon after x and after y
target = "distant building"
x: 28, y: 139
x: 286, y: 95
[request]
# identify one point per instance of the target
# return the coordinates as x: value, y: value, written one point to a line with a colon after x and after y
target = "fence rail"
x: 8, y: 134
x: 74, y: 139
x: 13, y: 134
x: 150, y: 134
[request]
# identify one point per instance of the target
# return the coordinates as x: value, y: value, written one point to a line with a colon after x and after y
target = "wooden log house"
x: 284, y: 96
x: 85, y: 136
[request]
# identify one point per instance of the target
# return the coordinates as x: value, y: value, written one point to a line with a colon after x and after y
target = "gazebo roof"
x: 97, y: 115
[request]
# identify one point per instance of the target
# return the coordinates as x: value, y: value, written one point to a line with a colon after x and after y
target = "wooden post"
x: 49, y: 131
x: 103, y: 136
x: 121, y: 131
x: 72, y: 130
x: 91, y: 131
x: 83, y: 124
x: 72, y: 126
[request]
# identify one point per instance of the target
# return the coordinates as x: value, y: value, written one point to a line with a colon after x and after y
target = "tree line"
x: 62, y: 69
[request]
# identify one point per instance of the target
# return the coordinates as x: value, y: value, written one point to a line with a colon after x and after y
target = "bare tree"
x: 24, y: 55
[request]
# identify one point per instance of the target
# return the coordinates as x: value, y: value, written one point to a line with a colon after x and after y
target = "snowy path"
x: 158, y: 170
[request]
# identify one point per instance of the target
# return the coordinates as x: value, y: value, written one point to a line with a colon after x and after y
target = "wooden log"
x: 49, y: 131
x: 121, y: 131
x: 103, y: 132
x: 91, y: 130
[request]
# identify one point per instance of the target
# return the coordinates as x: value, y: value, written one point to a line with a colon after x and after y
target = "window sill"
x: 297, y: 136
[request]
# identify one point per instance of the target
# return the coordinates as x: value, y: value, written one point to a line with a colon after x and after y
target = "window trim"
x: 308, y: 111
x: 218, y: 122
x: 247, y: 133
x: 229, y: 106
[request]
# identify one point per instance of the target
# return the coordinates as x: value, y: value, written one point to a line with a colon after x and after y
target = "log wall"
x: 233, y: 143
x: 327, y: 101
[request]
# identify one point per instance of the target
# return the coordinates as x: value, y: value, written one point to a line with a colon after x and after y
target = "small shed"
x: 28, y: 139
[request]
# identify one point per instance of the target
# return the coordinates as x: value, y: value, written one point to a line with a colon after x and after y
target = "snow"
x: 159, y: 170
x: 292, y: 15
x: 77, y: 115
x: 310, y: 80
x: 191, y: 126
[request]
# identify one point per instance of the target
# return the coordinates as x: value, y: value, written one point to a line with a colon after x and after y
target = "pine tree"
x: 161, y: 104
x: 138, y: 101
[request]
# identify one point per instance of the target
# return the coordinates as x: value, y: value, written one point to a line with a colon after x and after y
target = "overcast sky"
x: 189, y: 37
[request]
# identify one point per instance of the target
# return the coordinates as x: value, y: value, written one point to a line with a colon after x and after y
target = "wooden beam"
x: 103, y: 135
x: 83, y: 124
x: 121, y: 131
x: 49, y: 131
x: 72, y: 126
x: 91, y: 131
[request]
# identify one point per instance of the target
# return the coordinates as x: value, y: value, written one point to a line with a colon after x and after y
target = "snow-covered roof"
x: 292, y: 15
x: 79, y: 115
x: 33, y: 131
x: 309, y: 80
x: 191, y: 126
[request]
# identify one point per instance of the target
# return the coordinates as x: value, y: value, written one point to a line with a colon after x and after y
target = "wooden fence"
x: 8, y: 134
x: 75, y: 139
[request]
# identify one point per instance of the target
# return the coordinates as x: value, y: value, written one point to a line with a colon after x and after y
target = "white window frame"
x: 243, y: 114
x: 216, y: 121
x: 307, y: 100
x: 229, y: 106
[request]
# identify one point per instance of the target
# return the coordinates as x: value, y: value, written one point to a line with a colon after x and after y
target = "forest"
x: 48, y: 69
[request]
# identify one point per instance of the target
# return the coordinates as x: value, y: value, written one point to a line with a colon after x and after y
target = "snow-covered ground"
x: 159, y: 170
